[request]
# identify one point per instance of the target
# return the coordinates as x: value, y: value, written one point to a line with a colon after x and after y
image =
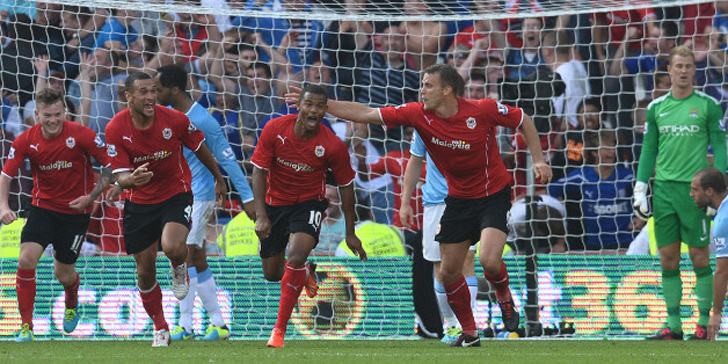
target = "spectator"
x: 522, y: 61
x: 302, y: 39
x: 192, y: 30
x: 424, y: 39
x: 258, y: 102
x: 375, y: 190
x: 228, y: 114
x: 117, y: 33
x: 662, y: 83
x: 394, y: 164
x: 346, y: 37
x: 77, y: 42
x: 45, y: 79
x: 16, y: 60
x: 47, y: 30
x: 571, y: 155
x: 654, y: 55
x: 475, y: 88
x: 483, y: 29
x: 378, y: 240
x: 612, y: 29
x: 604, y: 189
x: 9, y: 8
x: 384, y: 79
x: 94, y: 92
x: 238, y: 237
x: 558, y: 55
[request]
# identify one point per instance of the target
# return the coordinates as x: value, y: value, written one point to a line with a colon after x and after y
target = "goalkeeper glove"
x: 639, y: 205
x: 710, y: 211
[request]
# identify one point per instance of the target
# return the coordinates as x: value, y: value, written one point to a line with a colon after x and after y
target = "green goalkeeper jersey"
x: 677, y: 135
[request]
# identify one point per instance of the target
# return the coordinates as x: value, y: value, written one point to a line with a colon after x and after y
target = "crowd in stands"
x: 610, y: 65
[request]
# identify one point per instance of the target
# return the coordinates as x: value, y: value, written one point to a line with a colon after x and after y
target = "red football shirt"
x: 61, y: 165
x: 395, y: 163
x: 463, y: 146
x: 297, y: 167
x: 160, y: 145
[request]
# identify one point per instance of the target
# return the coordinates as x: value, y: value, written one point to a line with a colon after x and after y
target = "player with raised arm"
x: 708, y: 189
x: 460, y: 136
x: 145, y: 145
x: 58, y: 150
x: 171, y: 82
x: 289, y: 179
x: 679, y: 128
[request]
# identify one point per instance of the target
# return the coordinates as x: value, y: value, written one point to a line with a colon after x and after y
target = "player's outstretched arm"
x: 352, y: 111
x: 720, y: 280
x: 208, y: 160
x: 260, y: 183
x: 81, y: 203
x: 347, y: 205
x: 7, y: 215
x: 530, y: 136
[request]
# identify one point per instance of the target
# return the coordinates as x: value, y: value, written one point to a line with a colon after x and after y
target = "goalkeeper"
x: 679, y: 128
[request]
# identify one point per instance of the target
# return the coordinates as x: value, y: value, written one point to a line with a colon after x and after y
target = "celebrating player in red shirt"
x: 60, y: 154
x: 145, y: 145
x: 289, y: 188
x: 460, y: 135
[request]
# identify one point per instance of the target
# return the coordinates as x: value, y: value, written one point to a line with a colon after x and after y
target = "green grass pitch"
x: 367, y: 351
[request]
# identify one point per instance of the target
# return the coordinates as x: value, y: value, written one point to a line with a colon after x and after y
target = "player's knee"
x: 491, y: 266
x: 66, y: 278
x: 26, y: 263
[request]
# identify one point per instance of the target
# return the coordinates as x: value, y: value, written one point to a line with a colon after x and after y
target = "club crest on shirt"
x: 719, y: 243
x: 503, y: 109
x: 70, y: 142
x: 694, y: 113
x: 319, y: 151
x: 167, y: 133
x: 111, y: 150
x: 471, y: 123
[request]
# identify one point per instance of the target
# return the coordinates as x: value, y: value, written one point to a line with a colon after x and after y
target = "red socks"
x: 291, y: 286
x: 458, y: 296
x: 72, y: 293
x: 25, y: 290
x: 500, y: 283
x: 152, y: 301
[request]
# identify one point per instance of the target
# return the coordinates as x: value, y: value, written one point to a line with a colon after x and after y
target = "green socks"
x: 704, y: 293
x: 672, y: 291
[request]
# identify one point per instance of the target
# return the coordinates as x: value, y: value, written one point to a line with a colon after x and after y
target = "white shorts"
x: 201, y: 212
x: 430, y: 227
